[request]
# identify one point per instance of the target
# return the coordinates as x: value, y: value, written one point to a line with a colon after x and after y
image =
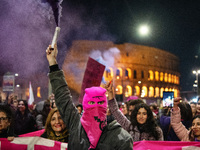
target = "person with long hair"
x: 193, y: 134
x: 24, y: 120
x: 142, y: 124
x: 55, y: 129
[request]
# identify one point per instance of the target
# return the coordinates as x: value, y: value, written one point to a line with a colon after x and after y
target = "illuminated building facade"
x: 137, y: 70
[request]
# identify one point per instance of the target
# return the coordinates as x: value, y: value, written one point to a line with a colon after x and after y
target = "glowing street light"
x: 196, y: 72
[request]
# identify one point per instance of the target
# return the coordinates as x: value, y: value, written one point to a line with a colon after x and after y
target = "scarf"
x: 63, y: 137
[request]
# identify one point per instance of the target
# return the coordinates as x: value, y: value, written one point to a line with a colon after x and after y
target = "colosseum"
x: 135, y: 69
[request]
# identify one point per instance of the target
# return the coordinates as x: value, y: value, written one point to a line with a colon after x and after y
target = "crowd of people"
x: 100, y: 122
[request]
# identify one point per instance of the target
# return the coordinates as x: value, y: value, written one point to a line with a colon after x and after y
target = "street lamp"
x: 196, y: 72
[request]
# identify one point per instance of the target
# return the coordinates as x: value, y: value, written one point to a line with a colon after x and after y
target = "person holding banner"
x: 55, y: 129
x: 6, y: 123
x: 142, y: 125
x: 184, y: 134
x: 90, y: 131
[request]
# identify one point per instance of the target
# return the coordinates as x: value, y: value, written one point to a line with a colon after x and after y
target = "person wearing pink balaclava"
x: 90, y: 131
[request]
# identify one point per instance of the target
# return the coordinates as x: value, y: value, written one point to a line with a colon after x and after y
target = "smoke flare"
x: 55, y: 4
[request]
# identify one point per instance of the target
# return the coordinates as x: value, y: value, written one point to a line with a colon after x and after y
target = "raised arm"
x: 113, y: 107
x: 176, y: 123
x: 62, y: 93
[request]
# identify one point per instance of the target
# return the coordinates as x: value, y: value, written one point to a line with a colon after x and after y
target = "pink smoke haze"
x: 27, y: 28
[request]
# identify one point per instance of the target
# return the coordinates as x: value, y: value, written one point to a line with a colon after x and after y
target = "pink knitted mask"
x: 93, y: 119
x: 95, y: 94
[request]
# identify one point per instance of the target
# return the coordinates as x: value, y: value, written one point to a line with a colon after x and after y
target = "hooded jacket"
x: 113, y: 135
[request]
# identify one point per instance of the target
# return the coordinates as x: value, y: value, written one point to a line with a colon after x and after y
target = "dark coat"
x: 24, y: 124
x: 112, y: 137
x: 168, y: 132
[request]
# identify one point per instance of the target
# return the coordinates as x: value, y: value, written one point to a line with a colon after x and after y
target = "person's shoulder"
x: 114, y: 126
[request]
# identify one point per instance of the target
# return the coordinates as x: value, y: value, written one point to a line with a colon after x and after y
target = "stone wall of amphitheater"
x: 136, y: 70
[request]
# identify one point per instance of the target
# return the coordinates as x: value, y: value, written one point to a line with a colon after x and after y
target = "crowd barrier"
x: 32, y: 141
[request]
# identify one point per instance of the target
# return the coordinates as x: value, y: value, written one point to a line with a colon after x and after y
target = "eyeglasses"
x: 3, y: 118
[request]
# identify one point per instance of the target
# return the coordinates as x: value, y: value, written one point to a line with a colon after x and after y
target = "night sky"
x: 27, y: 28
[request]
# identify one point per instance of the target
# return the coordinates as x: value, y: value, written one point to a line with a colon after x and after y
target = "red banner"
x: 31, y: 143
x: 166, y: 145
x: 38, y: 143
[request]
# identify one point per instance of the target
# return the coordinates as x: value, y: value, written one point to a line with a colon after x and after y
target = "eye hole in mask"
x: 92, y: 102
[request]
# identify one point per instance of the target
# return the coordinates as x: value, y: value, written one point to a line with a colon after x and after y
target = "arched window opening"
x: 144, y: 91
x: 161, y: 92
x: 172, y: 78
x: 156, y: 75
x: 169, y: 78
x: 151, y: 91
x: 161, y: 76
x: 119, y: 73
x: 150, y: 75
x: 128, y: 73
x: 157, y: 92
x: 175, y: 93
x: 165, y: 77
x: 119, y: 89
x: 135, y: 74
x: 137, y: 90
x: 142, y: 74
x: 128, y: 91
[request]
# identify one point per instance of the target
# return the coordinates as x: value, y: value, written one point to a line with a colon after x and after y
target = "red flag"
x: 92, y: 77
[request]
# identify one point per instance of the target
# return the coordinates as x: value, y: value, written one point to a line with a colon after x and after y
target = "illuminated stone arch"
x: 128, y: 91
x: 108, y: 74
x: 151, y: 91
x: 177, y: 80
x: 137, y: 90
x: 166, y: 89
x: 128, y: 74
x: 156, y: 75
x: 161, y: 76
x: 119, y: 89
x: 150, y: 75
x: 161, y: 92
x: 144, y: 91
x: 169, y: 78
x: 165, y: 78
x: 172, y: 78
x: 175, y: 93
x: 119, y: 73
x: 157, y: 92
